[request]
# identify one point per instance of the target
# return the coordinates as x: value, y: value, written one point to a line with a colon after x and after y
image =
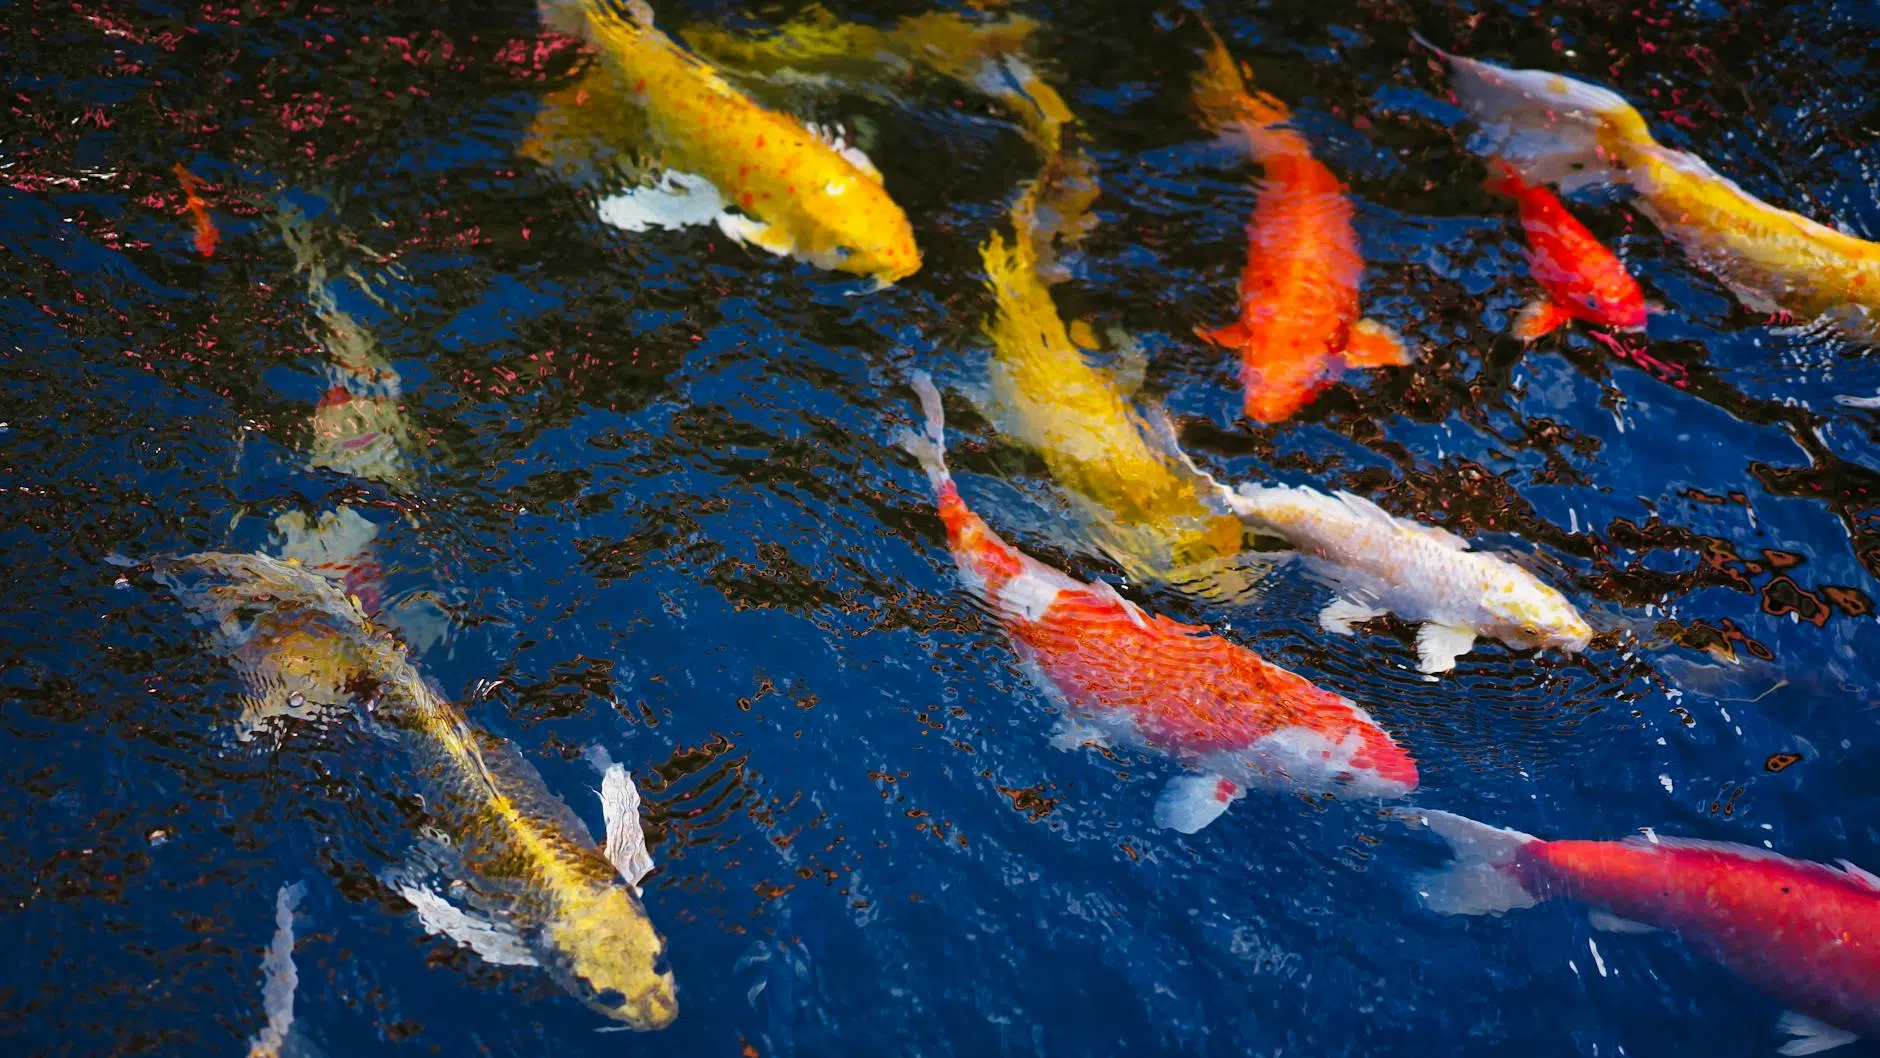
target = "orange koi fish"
x: 1582, y: 279
x: 206, y: 233
x: 1237, y: 719
x: 1804, y: 932
x: 1299, y: 322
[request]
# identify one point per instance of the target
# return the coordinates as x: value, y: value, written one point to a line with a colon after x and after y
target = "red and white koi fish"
x: 1179, y: 689
x: 1806, y: 933
x: 1299, y: 324
x: 1582, y: 279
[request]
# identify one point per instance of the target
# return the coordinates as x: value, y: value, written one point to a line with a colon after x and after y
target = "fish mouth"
x: 651, y: 1009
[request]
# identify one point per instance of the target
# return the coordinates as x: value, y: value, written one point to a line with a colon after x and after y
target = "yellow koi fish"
x: 988, y: 56
x: 1147, y: 510
x: 763, y: 177
x: 540, y: 892
x: 1555, y: 129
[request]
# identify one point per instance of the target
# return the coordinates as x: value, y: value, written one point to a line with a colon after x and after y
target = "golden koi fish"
x: 1149, y: 512
x: 1557, y: 130
x: 547, y: 896
x: 796, y: 191
x: 988, y: 56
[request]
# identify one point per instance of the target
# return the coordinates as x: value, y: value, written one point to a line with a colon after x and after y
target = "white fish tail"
x: 1552, y: 129
x: 929, y: 445
x: 1813, y: 1035
x: 1476, y: 883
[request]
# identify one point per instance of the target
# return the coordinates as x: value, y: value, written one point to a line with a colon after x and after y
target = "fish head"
x: 1529, y: 614
x: 856, y: 228
x: 1343, y: 753
x: 606, y: 943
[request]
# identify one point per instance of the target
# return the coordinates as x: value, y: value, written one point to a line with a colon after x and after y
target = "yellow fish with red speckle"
x: 763, y: 177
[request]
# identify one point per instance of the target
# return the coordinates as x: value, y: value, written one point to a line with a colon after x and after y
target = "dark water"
x: 652, y: 482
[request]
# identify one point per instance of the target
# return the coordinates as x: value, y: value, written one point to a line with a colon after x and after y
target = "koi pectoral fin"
x: 1372, y: 344
x: 1072, y: 733
x: 767, y: 237
x: 625, y: 843
x: 1539, y: 318
x: 1193, y: 801
x: 1340, y: 615
x: 1232, y: 336
x: 493, y: 941
x: 1814, y: 1035
x: 677, y: 200
x: 1607, y: 922
x: 1438, y: 647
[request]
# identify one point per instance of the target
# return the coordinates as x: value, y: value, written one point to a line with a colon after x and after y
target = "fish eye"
x: 661, y: 965
x: 610, y: 998
x: 1530, y: 631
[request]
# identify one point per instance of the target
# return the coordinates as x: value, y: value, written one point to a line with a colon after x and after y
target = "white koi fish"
x: 1385, y: 564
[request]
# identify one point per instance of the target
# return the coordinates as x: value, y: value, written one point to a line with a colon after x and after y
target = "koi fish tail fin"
x: 1549, y: 128
x: 1233, y: 335
x: 929, y: 443
x: 1223, y: 100
x: 1477, y: 882
x: 1539, y: 318
x: 1812, y: 1035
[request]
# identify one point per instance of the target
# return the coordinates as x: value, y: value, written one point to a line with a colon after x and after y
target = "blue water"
x: 656, y: 491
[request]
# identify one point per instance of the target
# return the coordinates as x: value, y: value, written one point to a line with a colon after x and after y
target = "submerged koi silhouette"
x: 1299, y: 324
x: 206, y: 233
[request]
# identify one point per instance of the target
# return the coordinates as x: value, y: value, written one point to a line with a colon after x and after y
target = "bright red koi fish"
x: 1806, y: 933
x: 1582, y: 279
x: 1152, y: 682
x: 1299, y: 322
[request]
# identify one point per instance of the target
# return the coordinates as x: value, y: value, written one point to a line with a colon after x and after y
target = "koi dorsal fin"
x: 835, y: 137
x: 1861, y: 875
x: 1369, y: 511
